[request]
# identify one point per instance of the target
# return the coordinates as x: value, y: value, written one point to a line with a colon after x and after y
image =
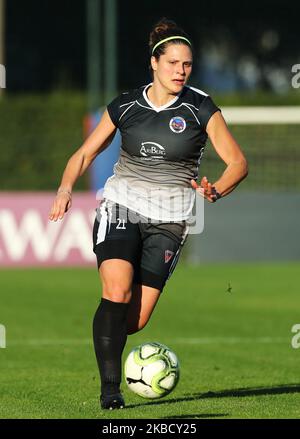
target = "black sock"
x: 110, y: 334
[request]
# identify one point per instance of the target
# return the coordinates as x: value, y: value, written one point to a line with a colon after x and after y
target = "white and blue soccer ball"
x: 151, y: 370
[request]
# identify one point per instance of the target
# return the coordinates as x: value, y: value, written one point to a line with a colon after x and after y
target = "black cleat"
x: 111, y: 402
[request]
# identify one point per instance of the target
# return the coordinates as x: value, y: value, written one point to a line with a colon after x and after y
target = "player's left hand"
x: 206, y: 190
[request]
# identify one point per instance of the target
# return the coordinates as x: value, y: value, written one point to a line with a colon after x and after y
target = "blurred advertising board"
x: 29, y: 238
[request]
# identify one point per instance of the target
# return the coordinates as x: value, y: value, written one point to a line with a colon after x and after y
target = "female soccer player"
x: 141, y: 224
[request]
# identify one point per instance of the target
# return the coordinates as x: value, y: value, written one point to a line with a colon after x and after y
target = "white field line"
x: 179, y: 341
x: 262, y: 115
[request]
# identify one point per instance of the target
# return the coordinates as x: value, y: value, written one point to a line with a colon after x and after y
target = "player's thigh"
x: 116, y: 277
x: 117, y: 245
x: 142, y: 304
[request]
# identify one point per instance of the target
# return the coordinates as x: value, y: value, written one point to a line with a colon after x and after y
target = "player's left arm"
x: 230, y: 152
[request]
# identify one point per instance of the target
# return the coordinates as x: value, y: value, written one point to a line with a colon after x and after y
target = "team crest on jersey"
x: 168, y: 255
x: 177, y: 124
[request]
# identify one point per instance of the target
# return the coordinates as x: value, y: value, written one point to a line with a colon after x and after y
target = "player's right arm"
x: 98, y: 140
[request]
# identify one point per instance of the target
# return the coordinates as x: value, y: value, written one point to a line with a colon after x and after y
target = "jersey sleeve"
x: 206, y: 110
x: 114, y: 111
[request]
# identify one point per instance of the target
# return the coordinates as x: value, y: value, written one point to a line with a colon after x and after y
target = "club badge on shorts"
x: 177, y: 124
x: 168, y: 255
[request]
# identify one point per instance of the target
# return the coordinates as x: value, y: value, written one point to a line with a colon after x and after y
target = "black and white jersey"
x: 160, y: 153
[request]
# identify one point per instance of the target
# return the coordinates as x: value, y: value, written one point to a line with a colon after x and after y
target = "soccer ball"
x: 151, y: 370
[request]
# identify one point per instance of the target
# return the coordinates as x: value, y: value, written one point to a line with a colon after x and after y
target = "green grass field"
x: 234, y: 347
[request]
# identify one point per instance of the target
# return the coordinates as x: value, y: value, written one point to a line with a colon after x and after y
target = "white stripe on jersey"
x: 123, y: 105
x: 126, y: 110
x: 102, y: 225
x: 191, y: 105
x: 187, y: 106
x: 197, y: 90
x: 171, y: 108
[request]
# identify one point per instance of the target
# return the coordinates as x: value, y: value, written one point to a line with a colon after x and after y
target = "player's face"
x: 173, y: 68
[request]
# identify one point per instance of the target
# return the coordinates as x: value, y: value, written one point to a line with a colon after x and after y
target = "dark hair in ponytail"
x: 164, y: 29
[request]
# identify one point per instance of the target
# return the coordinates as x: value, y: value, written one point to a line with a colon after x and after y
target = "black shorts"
x: 153, y: 248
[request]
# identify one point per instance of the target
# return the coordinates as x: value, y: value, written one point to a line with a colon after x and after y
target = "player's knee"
x: 117, y: 294
x: 115, y: 290
x: 116, y: 281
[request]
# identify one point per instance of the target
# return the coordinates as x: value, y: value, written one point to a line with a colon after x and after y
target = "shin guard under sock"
x: 110, y: 334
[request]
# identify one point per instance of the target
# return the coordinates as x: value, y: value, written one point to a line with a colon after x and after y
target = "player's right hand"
x: 60, y: 206
x: 205, y: 189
